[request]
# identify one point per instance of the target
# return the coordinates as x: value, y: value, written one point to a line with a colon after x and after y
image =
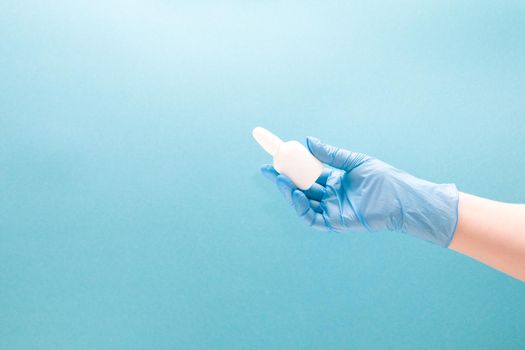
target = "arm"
x: 359, y: 193
x: 493, y: 233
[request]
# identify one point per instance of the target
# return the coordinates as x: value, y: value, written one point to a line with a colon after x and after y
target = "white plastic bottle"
x: 290, y: 158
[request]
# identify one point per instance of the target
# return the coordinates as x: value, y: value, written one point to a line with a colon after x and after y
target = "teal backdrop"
x: 132, y: 211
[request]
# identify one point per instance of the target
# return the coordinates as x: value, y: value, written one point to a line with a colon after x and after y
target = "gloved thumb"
x: 334, y: 156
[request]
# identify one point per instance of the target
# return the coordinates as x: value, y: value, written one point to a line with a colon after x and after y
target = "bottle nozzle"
x: 268, y: 141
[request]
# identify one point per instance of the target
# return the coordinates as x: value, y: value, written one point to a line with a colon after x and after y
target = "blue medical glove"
x: 360, y: 193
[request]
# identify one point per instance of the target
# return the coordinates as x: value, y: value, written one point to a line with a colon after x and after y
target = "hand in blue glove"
x: 360, y: 193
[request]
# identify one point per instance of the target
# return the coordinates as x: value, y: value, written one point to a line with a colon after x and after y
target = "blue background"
x: 132, y: 211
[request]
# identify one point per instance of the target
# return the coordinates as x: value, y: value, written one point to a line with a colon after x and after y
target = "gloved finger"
x: 323, y: 178
x: 336, y: 157
x: 269, y: 172
x: 316, y: 206
x: 286, y: 187
x: 305, y: 212
x: 315, y: 192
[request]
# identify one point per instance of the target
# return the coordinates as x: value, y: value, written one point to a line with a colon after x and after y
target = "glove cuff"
x: 437, y: 216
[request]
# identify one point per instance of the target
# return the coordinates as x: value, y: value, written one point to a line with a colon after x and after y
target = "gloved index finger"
x: 286, y: 187
x: 269, y: 172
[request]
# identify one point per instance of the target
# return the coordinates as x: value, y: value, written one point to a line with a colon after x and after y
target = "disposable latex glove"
x: 360, y: 193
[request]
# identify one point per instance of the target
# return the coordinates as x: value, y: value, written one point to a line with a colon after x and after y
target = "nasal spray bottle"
x: 290, y: 158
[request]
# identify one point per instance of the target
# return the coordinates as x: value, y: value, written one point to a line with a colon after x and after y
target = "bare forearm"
x: 493, y: 233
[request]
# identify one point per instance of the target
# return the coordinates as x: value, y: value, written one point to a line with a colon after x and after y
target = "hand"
x: 360, y: 193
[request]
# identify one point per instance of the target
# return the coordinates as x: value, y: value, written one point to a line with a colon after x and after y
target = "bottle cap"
x: 268, y: 141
